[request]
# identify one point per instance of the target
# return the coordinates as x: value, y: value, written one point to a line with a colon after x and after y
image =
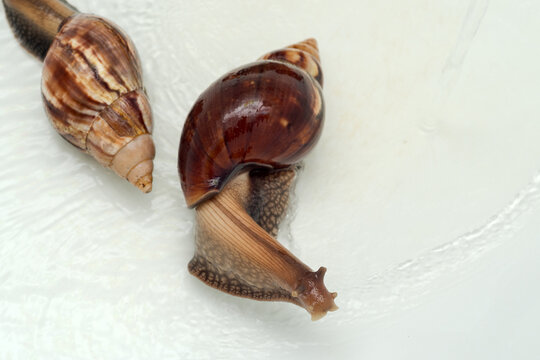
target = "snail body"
x: 91, y: 84
x: 237, y: 157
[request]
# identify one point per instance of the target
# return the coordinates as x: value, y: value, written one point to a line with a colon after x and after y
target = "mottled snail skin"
x: 236, y: 161
x: 91, y: 84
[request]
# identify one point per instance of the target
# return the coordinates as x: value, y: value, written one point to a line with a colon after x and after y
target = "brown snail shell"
x: 236, y: 163
x: 91, y: 84
x: 265, y: 114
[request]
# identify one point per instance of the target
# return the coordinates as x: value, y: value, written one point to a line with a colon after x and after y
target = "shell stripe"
x: 61, y: 73
x: 106, y: 75
x: 134, y: 104
x: 95, y: 71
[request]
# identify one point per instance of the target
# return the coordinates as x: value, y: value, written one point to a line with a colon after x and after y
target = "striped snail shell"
x: 237, y: 157
x: 91, y: 85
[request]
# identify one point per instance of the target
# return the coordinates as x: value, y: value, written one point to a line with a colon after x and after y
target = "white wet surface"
x: 422, y: 197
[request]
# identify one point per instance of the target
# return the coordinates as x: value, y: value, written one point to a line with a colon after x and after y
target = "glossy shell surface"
x: 265, y: 114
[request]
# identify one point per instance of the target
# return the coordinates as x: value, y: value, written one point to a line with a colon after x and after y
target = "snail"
x: 91, y: 84
x: 237, y: 160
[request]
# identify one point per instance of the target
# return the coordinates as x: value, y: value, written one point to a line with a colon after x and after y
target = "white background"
x: 421, y: 198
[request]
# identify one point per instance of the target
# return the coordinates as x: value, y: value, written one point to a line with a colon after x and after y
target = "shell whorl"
x: 304, y: 55
x: 266, y: 114
x: 36, y: 22
x: 93, y: 94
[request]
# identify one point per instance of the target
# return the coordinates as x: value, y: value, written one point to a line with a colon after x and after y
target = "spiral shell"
x: 266, y: 114
x: 94, y: 97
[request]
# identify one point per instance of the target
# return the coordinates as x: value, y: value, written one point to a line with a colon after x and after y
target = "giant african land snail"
x: 236, y: 163
x: 91, y: 85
